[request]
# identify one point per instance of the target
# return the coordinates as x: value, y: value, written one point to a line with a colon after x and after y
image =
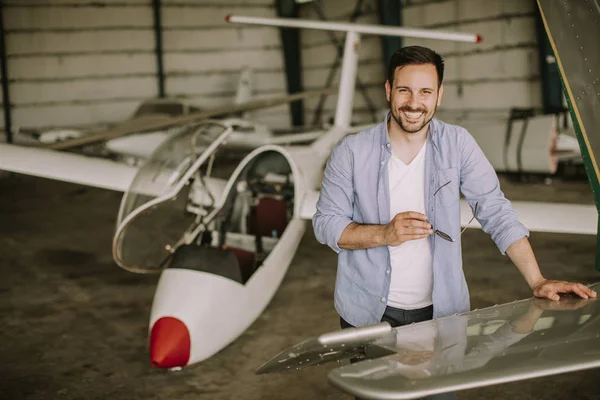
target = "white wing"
x: 66, y: 167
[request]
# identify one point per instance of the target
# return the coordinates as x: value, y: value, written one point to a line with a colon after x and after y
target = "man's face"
x: 414, y: 96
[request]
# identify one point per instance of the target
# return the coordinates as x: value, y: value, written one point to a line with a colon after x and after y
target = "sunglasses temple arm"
x: 471, y: 220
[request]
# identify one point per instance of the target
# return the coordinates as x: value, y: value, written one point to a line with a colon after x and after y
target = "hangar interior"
x: 75, y: 325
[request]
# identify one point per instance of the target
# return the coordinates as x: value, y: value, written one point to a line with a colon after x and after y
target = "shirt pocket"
x: 448, y: 186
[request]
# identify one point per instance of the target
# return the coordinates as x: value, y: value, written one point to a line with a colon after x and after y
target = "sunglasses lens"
x: 444, y: 236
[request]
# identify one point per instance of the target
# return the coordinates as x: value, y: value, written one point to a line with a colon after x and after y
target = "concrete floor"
x: 74, y: 325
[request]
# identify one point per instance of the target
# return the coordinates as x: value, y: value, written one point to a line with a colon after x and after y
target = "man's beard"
x: 413, y: 128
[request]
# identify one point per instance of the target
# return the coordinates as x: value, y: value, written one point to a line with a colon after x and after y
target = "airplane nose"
x: 169, y: 343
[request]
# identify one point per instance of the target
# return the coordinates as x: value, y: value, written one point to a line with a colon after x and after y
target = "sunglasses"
x: 444, y: 235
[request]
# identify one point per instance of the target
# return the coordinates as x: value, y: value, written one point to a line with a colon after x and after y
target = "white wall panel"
x: 54, y: 18
x: 203, y: 55
x: 516, y: 63
x: 207, y: 84
x: 25, y: 93
x: 73, y: 115
x: 223, y: 61
x: 476, y: 9
x: 194, y: 16
x: 324, y: 55
x: 40, y: 42
x: 228, y: 38
x: 50, y: 67
x: 69, y: 55
x: 492, y: 95
x: 247, y: 4
x: 369, y: 72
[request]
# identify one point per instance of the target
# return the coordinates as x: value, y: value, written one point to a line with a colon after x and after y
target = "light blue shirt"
x: 356, y: 189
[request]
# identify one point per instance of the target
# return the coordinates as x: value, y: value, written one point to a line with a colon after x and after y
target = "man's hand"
x: 550, y: 289
x: 406, y: 226
x: 568, y: 304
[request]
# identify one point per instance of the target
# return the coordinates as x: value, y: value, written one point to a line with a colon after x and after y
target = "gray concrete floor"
x: 74, y: 325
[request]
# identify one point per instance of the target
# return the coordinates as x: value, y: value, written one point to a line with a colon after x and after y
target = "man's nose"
x: 413, y: 101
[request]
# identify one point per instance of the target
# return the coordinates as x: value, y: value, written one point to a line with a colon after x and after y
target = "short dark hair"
x: 411, y: 55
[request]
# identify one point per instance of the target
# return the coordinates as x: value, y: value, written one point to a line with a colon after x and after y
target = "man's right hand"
x: 409, y: 225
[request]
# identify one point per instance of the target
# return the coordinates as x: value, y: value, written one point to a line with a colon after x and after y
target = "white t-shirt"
x: 412, y: 270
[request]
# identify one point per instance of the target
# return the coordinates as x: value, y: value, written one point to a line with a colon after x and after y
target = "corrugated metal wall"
x: 319, y: 53
x: 492, y: 76
x: 485, y: 78
x: 75, y: 63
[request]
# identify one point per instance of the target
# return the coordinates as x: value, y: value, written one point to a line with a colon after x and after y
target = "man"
x: 389, y: 205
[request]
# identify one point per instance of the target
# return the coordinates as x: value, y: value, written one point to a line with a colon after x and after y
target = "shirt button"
x: 388, y: 145
x: 383, y: 162
x: 387, y: 271
x: 383, y: 299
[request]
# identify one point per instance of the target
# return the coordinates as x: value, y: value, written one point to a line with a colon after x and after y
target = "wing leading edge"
x: 67, y: 167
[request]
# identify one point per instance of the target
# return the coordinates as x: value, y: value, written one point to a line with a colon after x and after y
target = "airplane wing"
x: 537, y: 216
x: 157, y: 175
x: 68, y: 167
x: 505, y: 343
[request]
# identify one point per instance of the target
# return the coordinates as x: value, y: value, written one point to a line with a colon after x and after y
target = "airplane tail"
x: 347, y: 84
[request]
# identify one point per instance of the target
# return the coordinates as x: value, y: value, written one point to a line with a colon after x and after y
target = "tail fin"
x: 343, y: 113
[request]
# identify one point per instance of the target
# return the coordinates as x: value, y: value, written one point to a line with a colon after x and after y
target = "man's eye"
x: 427, y: 92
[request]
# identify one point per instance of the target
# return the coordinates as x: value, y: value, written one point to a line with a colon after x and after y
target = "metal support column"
x: 390, y: 14
x: 290, y: 41
x: 157, y: 14
x: 4, y: 77
x: 552, y: 94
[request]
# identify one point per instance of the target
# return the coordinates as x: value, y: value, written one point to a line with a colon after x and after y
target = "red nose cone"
x: 169, y: 343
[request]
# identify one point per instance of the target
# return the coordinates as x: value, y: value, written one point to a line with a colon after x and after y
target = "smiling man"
x: 389, y: 206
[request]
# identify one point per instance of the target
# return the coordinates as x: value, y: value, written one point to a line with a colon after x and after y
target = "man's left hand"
x: 550, y: 289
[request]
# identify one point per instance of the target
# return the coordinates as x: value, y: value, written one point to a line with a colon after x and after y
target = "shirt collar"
x: 433, y: 133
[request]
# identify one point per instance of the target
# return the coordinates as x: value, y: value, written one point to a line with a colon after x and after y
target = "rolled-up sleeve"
x: 336, y: 200
x: 479, y: 184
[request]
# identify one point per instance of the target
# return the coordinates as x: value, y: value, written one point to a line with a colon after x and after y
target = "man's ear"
x: 440, y: 94
x: 388, y: 90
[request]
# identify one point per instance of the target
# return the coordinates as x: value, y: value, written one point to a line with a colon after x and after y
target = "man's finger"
x: 550, y: 293
x: 579, y: 291
x: 415, y: 215
x: 589, y: 291
x: 416, y: 223
x: 585, y: 290
x: 418, y: 231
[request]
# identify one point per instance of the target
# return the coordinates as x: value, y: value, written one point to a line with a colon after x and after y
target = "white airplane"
x: 224, y: 243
